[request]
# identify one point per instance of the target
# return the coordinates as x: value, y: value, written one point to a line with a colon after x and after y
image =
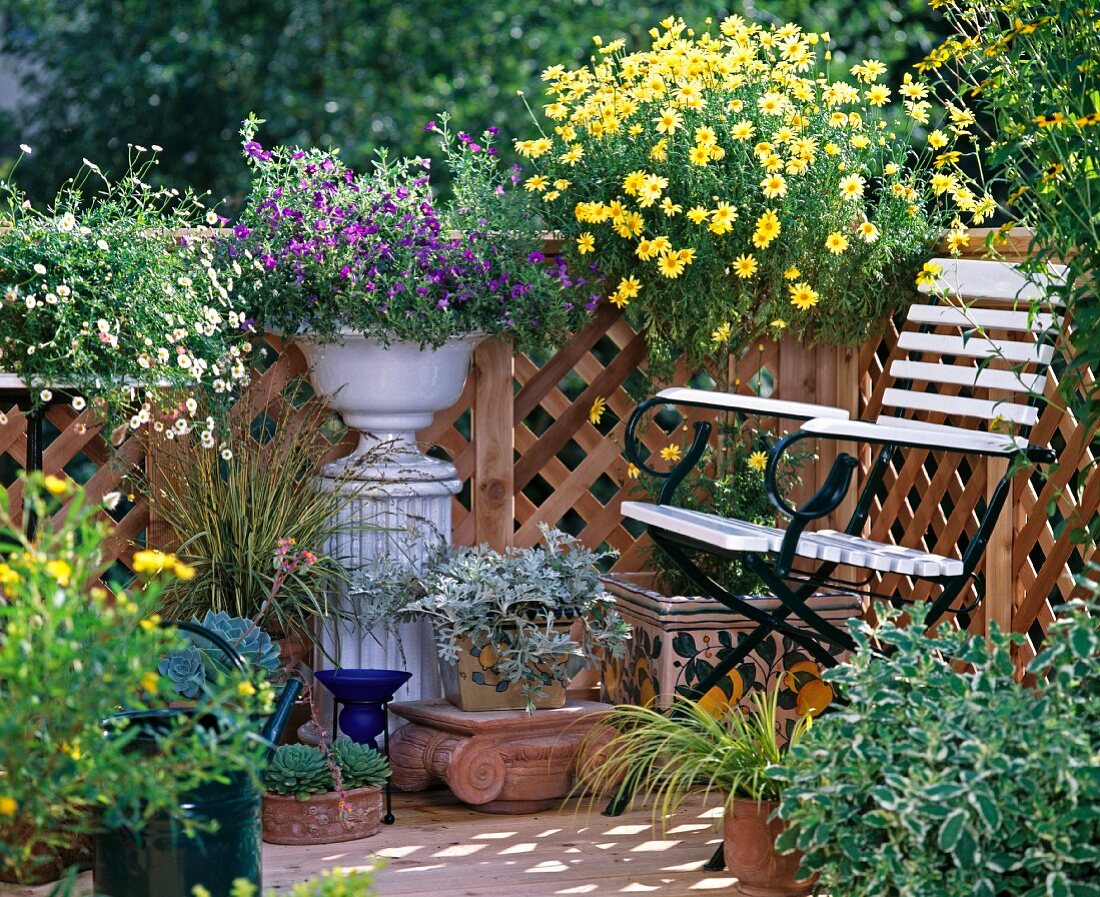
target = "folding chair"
x: 965, y: 375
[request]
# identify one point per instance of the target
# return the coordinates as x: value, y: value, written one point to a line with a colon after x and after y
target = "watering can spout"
x: 275, y: 724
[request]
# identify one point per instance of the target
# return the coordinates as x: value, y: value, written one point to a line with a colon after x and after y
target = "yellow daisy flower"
x: 596, y: 412
x: 586, y: 243
x: 744, y: 266
x: 803, y: 296
x: 758, y: 461
x: 672, y: 453
x: 836, y: 243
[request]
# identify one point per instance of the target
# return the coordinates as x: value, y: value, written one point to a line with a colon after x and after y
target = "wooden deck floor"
x: 439, y: 848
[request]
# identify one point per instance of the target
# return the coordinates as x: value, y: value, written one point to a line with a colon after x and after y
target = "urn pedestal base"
x: 494, y: 761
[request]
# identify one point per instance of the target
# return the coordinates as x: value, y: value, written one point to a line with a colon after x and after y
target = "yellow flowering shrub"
x: 693, y: 176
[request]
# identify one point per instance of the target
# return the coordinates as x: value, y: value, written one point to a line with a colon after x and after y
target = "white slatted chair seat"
x: 825, y: 545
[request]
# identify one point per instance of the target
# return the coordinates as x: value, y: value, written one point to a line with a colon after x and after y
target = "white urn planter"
x: 400, y: 503
x: 387, y: 393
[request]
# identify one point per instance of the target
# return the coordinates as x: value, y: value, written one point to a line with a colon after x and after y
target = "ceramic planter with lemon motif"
x: 677, y: 640
x: 470, y: 683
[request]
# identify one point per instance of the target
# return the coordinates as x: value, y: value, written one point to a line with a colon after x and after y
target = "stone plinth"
x: 505, y: 761
x: 400, y: 509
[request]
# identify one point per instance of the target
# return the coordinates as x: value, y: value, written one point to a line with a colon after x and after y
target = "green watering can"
x: 161, y: 860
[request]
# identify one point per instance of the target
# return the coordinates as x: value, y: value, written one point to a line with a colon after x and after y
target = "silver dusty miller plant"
x: 513, y: 601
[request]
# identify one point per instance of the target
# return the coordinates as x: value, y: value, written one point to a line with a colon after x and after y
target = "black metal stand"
x: 389, y: 818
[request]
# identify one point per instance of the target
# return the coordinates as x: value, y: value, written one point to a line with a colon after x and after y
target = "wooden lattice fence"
x: 521, y: 439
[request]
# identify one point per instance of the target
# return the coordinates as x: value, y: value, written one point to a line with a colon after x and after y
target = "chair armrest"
x: 947, y: 439
x: 728, y: 401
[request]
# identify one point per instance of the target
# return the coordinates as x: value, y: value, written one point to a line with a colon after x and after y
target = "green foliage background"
x: 97, y: 74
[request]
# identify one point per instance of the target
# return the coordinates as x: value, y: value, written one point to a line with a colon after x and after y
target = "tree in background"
x: 359, y: 74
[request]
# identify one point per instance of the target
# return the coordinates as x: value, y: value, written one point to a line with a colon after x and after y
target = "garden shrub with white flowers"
x: 729, y: 184
x: 107, y: 298
x: 327, y: 249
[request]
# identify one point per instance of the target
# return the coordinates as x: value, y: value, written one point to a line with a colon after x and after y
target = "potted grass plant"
x: 665, y: 757
x: 250, y: 523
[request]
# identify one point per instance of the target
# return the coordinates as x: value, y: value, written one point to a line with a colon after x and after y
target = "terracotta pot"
x: 749, y: 846
x: 292, y: 650
x: 316, y: 820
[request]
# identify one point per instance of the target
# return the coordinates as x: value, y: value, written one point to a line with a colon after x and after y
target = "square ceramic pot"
x: 677, y: 639
x: 471, y: 684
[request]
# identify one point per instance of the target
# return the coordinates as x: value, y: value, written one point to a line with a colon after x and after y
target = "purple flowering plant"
x: 327, y: 249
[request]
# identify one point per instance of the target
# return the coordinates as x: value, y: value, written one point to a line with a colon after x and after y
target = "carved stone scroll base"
x: 505, y: 761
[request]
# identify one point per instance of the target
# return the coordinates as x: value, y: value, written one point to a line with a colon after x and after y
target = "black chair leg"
x: 717, y: 862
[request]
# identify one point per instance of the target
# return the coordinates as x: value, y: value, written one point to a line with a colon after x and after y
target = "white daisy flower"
x: 45, y: 395
x: 40, y: 268
x: 26, y: 149
x: 102, y: 245
x: 67, y: 222
x: 79, y: 403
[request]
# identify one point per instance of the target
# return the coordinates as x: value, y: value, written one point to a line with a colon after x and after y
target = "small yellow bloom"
x: 7, y: 575
x: 55, y: 485
x: 535, y: 182
x: 586, y: 243
x: 767, y: 229
x: 8, y: 806
x: 633, y: 471
x: 246, y: 689
x: 779, y: 324
x: 928, y: 273
x: 149, y: 682
x: 629, y: 287
x: 868, y: 232
x: 60, y: 570
x: 698, y: 215
x: 803, y: 296
x: 774, y: 185
x: 722, y: 333
x: 670, y: 208
x: 792, y: 273
x: 150, y: 561
x: 836, y: 243
x: 699, y: 155
x: 851, y: 187
x: 596, y: 412
x: 672, y: 453
x: 670, y: 265
x: 744, y: 266
x: 183, y: 572
x: 758, y: 461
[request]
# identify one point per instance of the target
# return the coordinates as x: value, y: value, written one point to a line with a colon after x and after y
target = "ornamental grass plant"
x: 666, y: 756
x: 727, y: 184
x: 250, y: 523
x: 327, y: 249
x: 111, y: 298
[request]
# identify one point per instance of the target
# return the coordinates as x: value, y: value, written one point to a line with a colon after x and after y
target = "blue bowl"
x: 357, y: 686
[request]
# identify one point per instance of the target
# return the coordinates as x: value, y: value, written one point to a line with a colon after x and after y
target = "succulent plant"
x: 360, y: 764
x: 252, y: 643
x: 185, y: 669
x: 298, y: 769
